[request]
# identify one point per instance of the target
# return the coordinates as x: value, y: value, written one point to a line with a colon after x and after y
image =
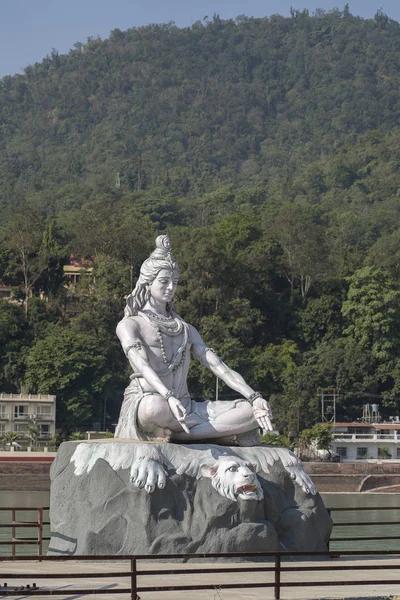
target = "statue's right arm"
x: 132, y: 344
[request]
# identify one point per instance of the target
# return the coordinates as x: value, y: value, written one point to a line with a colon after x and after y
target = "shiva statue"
x: 158, y: 344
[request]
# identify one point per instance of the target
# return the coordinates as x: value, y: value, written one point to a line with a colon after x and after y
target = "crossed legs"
x: 156, y: 419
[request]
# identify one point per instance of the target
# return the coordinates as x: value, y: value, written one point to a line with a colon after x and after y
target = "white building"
x: 363, y: 441
x: 25, y: 413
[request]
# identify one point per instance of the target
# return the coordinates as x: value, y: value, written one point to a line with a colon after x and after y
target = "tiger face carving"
x: 234, y: 478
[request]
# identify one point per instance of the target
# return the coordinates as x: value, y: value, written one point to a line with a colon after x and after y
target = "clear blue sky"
x: 29, y: 29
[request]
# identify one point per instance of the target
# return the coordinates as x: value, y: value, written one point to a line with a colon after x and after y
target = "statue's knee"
x: 153, y: 410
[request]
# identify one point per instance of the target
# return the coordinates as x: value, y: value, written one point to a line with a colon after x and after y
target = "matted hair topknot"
x: 163, y: 249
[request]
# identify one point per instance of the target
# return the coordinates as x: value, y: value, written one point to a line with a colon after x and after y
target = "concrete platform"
x: 357, y: 572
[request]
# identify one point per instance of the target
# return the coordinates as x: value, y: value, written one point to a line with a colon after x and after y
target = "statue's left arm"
x: 209, y: 358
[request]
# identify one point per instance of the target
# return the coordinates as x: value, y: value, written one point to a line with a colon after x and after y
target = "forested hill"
x: 179, y: 112
x: 269, y: 149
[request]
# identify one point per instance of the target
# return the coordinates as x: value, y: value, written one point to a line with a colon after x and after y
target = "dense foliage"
x: 269, y: 149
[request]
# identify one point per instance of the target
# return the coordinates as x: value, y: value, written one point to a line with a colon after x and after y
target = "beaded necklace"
x: 174, y: 327
x: 169, y: 325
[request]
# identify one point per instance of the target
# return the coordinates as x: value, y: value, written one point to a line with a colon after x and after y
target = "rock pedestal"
x: 127, y: 497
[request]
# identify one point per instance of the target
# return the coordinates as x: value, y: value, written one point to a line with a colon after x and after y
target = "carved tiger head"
x: 234, y: 478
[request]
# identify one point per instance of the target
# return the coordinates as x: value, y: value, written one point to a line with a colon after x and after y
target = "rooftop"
x: 28, y: 397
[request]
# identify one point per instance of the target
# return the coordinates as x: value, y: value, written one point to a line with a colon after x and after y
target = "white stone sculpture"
x: 228, y: 468
x: 204, y: 498
x: 137, y: 494
x: 158, y: 344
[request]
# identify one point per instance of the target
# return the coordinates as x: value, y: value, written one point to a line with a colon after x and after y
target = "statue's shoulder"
x: 188, y: 325
x: 174, y: 314
x: 131, y: 324
x: 193, y: 334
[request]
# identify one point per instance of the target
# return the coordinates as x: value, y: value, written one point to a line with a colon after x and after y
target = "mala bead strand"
x: 164, y: 354
x: 162, y: 348
x: 171, y: 328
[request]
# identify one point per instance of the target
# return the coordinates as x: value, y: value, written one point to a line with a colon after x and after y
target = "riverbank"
x: 357, y: 476
x: 31, y: 471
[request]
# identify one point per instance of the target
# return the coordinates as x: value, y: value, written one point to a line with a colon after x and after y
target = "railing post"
x: 134, y: 595
x: 40, y: 532
x: 13, y: 513
x: 277, y: 576
x: 329, y: 540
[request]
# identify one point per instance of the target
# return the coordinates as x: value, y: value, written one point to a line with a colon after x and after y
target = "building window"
x: 397, y: 452
x: 43, y: 411
x: 2, y: 411
x: 2, y: 428
x: 384, y: 453
x: 342, y: 451
x: 20, y: 411
x: 44, y: 430
x: 362, y: 452
x: 21, y: 427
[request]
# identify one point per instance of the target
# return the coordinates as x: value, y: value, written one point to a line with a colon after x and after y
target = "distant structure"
x: 367, y: 441
x: 29, y: 415
x: 7, y: 292
x: 328, y: 403
x: 77, y: 269
x: 367, y: 438
x: 371, y: 413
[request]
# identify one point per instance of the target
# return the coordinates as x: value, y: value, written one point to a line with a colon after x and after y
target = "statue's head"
x: 160, y: 259
x: 234, y: 478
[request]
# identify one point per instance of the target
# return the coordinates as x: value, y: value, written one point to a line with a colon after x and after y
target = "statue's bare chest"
x: 159, y: 342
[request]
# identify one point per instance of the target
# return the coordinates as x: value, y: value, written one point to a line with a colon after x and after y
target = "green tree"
x: 38, y: 254
x: 15, y: 337
x: 372, y: 311
x: 305, y: 256
x: 72, y: 366
x: 9, y: 437
x: 33, y: 433
x: 271, y: 439
x: 24, y: 236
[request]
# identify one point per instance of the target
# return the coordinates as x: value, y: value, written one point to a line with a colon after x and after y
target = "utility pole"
x: 328, y: 403
x: 104, y: 413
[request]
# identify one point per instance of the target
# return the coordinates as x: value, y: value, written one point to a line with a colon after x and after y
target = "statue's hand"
x: 262, y: 413
x: 179, y: 412
x: 148, y: 473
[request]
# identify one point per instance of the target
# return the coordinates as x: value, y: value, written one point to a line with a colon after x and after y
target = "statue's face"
x: 164, y: 285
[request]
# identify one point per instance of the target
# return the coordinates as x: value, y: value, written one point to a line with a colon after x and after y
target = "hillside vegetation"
x: 269, y: 149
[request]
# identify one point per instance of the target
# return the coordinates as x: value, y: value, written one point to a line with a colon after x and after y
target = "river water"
x: 364, y: 501
x: 331, y: 500
x: 21, y: 500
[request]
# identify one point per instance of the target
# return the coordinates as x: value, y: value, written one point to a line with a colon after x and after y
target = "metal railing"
x: 15, y: 524
x: 357, y: 437
x: 133, y: 573
x: 365, y: 524
x: 39, y: 523
x: 275, y: 567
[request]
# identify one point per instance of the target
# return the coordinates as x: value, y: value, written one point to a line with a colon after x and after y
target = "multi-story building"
x: 32, y: 416
x: 363, y: 441
x: 77, y: 269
